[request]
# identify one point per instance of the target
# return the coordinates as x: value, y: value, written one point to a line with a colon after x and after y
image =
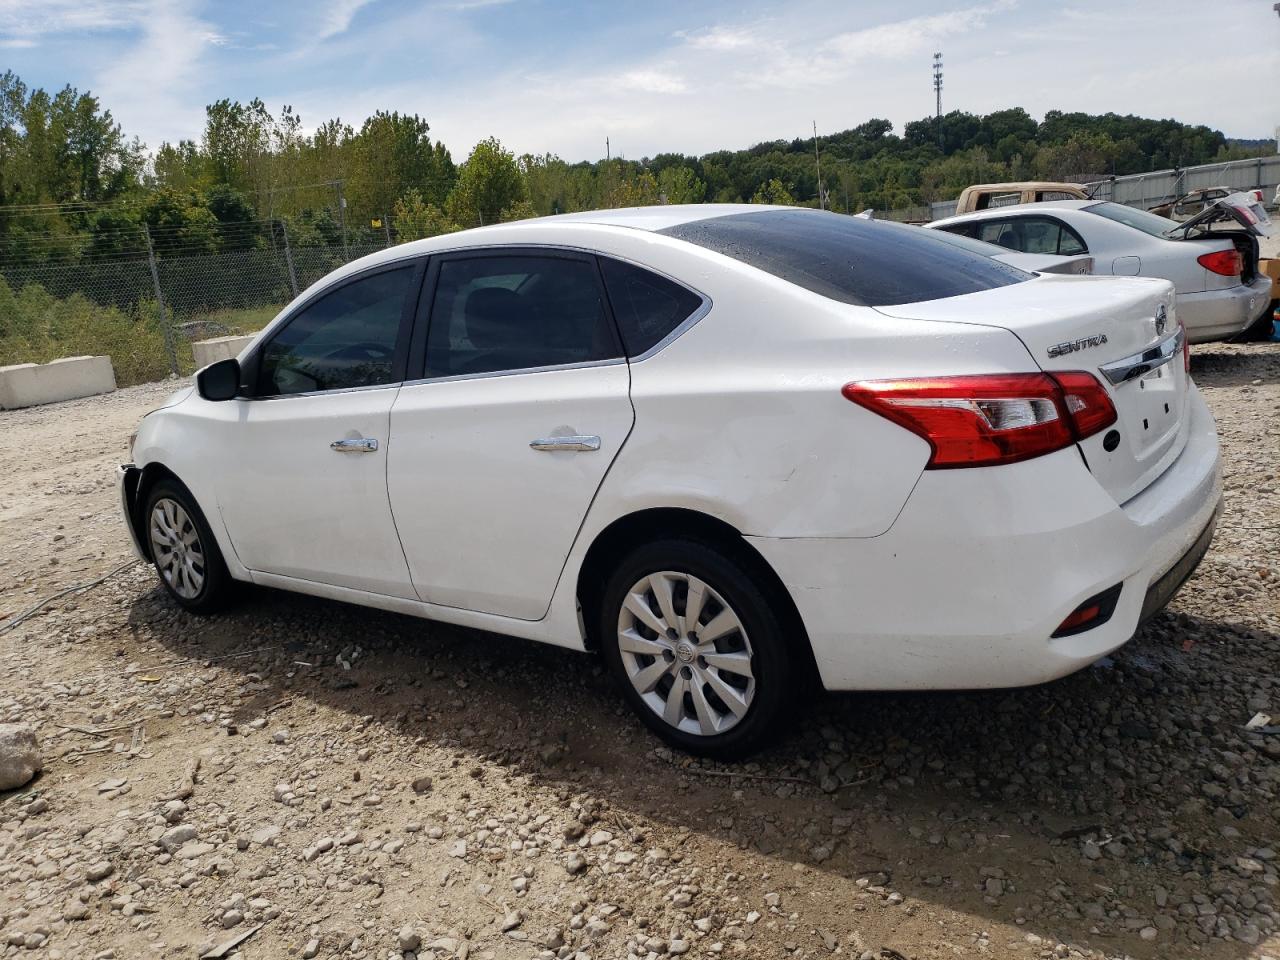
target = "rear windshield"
x: 1143, y: 220
x: 850, y: 259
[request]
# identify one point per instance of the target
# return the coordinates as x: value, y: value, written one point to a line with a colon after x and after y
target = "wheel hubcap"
x: 176, y: 547
x: 686, y: 652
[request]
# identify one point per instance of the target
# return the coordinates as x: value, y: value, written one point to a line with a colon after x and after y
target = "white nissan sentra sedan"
x: 733, y: 449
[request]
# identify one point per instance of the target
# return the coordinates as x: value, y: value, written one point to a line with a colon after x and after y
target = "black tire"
x: 1260, y: 329
x: 776, y: 665
x: 216, y: 584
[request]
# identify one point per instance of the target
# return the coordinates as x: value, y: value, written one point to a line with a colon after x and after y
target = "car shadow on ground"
x: 925, y: 792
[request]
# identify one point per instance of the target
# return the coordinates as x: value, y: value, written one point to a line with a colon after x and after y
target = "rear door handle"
x: 566, y: 443
x: 363, y: 445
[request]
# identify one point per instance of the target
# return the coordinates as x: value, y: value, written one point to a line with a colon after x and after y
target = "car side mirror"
x: 219, y: 381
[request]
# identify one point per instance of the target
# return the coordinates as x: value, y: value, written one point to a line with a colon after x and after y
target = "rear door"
x: 521, y: 403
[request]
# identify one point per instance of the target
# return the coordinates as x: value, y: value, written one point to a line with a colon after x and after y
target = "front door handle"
x: 363, y: 445
x: 566, y: 443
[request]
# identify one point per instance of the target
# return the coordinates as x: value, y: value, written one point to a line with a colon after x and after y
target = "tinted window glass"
x: 1032, y: 235
x: 500, y: 313
x: 345, y: 339
x: 1001, y: 233
x: 646, y: 306
x: 849, y: 259
x: 965, y: 242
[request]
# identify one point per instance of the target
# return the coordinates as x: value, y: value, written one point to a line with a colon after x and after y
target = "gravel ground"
x: 338, y: 782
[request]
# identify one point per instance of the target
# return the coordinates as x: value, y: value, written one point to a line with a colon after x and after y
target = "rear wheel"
x: 183, y: 550
x: 699, y: 648
x: 1261, y: 328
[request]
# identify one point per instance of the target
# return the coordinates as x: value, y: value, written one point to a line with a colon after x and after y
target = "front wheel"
x: 698, y: 645
x: 183, y: 550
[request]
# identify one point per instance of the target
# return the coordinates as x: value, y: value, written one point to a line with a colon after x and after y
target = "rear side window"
x: 495, y: 314
x: 1032, y: 235
x: 345, y: 339
x: 647, y: 307
x: 849, y: 259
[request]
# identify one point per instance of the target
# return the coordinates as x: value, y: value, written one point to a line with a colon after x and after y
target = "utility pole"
x: 170, y: 348
x: 817, y: 159
x: 937, y: 94
x: 607, y: 158
x: 342, y: 216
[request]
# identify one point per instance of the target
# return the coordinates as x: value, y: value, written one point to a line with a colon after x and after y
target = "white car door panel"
x: 297, y: 506
x: 487, y: 519
x: 497, y: 452
x: 306, y: 496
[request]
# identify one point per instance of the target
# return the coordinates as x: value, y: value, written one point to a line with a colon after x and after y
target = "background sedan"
x: 1212, y: 259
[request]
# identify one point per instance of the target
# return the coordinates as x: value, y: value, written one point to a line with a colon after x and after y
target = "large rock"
x: 19, y: 756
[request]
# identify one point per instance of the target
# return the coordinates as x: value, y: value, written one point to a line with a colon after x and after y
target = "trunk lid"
x: 1122, y: 331
x: 1238, y: 209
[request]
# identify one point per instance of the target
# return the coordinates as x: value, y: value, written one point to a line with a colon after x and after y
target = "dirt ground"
x: 370, y: 785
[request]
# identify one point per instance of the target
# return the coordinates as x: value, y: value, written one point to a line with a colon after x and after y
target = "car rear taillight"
x: 989, y: 419
x: 1226, y: 263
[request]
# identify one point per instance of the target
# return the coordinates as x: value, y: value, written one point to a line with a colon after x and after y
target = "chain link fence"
x: 142, y: 296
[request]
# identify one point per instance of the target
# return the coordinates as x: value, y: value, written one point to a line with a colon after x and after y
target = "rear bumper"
x: 1220, y: 314
x: 966, y: 588
x: 127, y: 476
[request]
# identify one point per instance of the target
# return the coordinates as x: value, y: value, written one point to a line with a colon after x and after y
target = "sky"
x: 654, y: 76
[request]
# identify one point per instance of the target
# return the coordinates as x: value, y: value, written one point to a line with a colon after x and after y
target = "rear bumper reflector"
x: 1094, y: 612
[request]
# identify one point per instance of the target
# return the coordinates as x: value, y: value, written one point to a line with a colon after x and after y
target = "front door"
x: 304, y: 490
x: 497, y: 451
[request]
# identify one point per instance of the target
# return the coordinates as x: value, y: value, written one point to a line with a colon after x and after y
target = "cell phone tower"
x: 937, y: 94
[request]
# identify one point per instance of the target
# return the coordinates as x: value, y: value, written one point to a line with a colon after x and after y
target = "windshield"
x: 849, y: 259
x: 1147, y: 222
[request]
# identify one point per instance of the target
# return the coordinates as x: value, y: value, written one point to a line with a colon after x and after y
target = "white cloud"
x: 152, y: 88
x: 475, y: 4
x: 907, y: 36
x: 24, y: 22
x: 655, y: 80
x: 336, y: 17
x: 721, y: 38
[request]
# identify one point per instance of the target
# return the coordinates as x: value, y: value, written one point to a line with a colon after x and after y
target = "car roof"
x: 1043, y: 205
x: 1019, y: 185
x: 649, y: 218
x: 534, y: 230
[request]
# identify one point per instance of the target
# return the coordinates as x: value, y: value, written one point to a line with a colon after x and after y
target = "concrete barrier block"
x: 30, y: 384
x: 206, y: 352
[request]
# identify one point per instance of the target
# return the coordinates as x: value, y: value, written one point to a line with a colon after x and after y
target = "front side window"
x: 503, y: 313
x: 647, y: 307
x: 345, y: 339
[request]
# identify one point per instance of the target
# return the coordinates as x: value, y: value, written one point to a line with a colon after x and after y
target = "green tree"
x: 680, y: 185
x: 773, y: 191
x: 392, y: 153
x: 180, y: 224
x: 488, y: 184
x: 414, y: 218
